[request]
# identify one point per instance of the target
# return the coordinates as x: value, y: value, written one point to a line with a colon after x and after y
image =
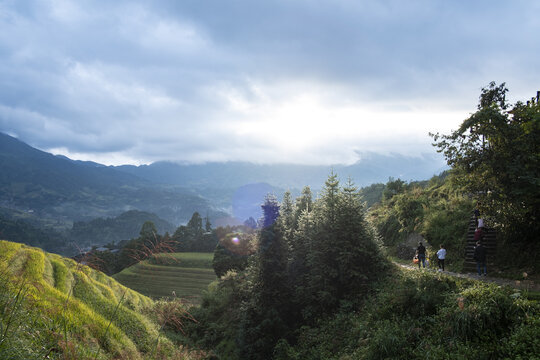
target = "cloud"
x: 266, y: 81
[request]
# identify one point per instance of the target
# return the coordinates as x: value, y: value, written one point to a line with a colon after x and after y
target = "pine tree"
x: 359, y: 257
x: 304, y: 202
x: 342, y: 257
x: 286, y: 219
x: 267, y: 311
x: 207, y: 224
x: 321, y: 259
x: 195, y: 225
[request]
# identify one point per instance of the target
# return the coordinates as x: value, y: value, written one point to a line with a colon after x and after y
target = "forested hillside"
x: 495, y: 157
x: 495, y: 169
x: 56, y: 188
x: 125, y: 226
x: 319, y: 287
x: 438, y: 210
x: 313, y: 258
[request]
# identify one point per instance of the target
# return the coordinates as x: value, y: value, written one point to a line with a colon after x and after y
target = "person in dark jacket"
x: 480, y: 255
x: 421, y: 252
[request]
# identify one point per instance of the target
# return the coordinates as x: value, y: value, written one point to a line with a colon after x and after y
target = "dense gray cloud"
x: 267, y: 81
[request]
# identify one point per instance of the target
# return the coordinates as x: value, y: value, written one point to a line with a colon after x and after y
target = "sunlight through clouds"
x: 293, y: 82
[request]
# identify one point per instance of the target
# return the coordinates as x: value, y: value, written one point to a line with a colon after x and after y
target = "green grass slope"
x: 185, y: 274
x: 52, y: 307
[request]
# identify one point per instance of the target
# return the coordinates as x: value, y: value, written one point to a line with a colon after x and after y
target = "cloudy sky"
x: 298, y: 81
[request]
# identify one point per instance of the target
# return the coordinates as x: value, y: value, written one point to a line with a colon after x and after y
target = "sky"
x: 292, y: 81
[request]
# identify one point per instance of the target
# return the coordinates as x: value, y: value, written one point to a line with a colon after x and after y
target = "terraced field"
x: 53, y: 307
x: 185, y: 274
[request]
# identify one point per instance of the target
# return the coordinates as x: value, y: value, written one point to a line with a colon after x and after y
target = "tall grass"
x: 54, y: 308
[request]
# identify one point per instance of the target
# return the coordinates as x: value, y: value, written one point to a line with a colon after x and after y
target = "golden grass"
x: 100, y: 314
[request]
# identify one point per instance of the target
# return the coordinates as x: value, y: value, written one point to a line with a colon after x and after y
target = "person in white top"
x: 441, y: 255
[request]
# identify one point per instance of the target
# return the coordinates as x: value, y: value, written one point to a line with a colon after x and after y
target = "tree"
x: 266, y: 314
x: 495, y: 156
x: 195, y: 226
x: 392, y: 188
x: 232, y: 253
x: 304, y: 202
x: 148, y: 231
x: 193, y: 237
x: 251, y: 223
x: 342, y: 256
x: 207, y: 224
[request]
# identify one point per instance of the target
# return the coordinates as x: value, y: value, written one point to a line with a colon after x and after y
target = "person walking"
x: 441, y: 255
x: 480, y: 255
x: 421, y: 252
x: 476, y: 214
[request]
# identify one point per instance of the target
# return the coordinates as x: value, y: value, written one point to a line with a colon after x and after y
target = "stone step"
x: 489, y: 241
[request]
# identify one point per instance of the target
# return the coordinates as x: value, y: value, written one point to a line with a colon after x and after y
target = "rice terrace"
x: 183, y: 275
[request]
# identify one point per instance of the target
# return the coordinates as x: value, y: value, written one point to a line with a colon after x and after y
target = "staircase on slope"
x: 489, y: 242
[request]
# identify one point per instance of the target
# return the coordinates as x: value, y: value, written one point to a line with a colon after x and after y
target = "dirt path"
x: 516, y: 284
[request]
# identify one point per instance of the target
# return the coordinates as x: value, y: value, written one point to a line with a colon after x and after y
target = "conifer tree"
x: 207, y: 224
x: 342, y: 257
x: 359, y: 258
x: 195, y: 225
x: 322, y: 260
x: 266, y: 314
x: 304, y: 202
x: 286, y: 219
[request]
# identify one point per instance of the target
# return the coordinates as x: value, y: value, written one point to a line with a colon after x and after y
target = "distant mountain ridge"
x: 65, y: 190
x: 372, y: 168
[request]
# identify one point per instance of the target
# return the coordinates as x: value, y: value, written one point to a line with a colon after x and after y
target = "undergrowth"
x: 424, y: 315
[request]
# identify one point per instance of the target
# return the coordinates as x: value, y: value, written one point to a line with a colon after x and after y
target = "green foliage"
x: 232, y: 253
x: 341, y: 304
x: 312, y: 258
x: 372, y: 194
x: 436, y: 209
x: 219, y: 317
x: 115, y: 229
x: 495, y: 155
x: 23, y: 231
x: 193, y: 237
x: 265, y: 317
x: 427, y: 315
x: 342, y: 256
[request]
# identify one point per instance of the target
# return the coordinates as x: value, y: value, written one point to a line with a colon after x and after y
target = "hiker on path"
x: 479, y: 234
x: 480, y: 258
x: 421, y: 252
x: 441, y: 255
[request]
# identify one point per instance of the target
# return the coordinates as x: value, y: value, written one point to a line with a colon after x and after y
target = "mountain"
x: 55, y: 187
x: 123, y: 227
x: 372, y: 168
x: 58, y: 188
x: 14, y: 227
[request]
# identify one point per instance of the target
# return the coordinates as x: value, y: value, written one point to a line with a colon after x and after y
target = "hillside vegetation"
x: 115, y: 229
x: 57, y: 188
x: 437, y: 209
x: 425, y: 315
x: 296, y: 300
x: 52, y: 307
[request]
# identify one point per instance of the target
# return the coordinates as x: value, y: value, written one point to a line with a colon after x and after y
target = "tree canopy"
x: 495, y: 155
